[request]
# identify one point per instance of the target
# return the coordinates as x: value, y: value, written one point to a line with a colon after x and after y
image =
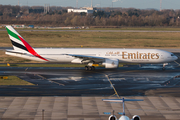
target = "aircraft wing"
x: 88, y: 57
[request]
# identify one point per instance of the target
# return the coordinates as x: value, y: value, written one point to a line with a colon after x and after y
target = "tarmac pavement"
x: 87, y: 108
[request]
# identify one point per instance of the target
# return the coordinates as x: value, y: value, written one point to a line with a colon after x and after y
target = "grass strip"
x: 13, y: 80
x: 96, y: 39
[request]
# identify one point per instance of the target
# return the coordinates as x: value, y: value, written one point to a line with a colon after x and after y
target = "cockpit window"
x: 172, y: 55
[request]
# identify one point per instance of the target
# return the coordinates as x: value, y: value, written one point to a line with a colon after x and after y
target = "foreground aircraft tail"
x: 123, y: 117
x: 19, y: 43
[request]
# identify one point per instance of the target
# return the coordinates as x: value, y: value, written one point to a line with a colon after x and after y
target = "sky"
x: 139, y: 4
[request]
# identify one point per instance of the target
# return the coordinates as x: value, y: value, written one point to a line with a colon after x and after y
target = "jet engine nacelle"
x: 136, y: 117
x: 112, y: 117
x: 111, y: 63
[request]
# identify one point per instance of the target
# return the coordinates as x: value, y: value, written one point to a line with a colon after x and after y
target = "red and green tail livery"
x: 19, y: 44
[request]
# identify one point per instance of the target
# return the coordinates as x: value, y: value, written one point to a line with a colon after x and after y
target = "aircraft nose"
x: 175, y: 58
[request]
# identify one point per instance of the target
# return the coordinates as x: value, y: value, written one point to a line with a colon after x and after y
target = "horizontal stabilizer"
x: 121, y: 100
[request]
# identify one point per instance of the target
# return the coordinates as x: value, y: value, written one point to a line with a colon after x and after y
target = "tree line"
x: 101, y: 17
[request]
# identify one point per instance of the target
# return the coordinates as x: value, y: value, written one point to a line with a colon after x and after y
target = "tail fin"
x: 19, y: 43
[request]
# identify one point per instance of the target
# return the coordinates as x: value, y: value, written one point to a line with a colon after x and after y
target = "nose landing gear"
x: 164, y: 65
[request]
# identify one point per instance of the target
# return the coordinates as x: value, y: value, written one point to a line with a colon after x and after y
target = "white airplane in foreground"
x: 108, y: 57
x: 123, y: 117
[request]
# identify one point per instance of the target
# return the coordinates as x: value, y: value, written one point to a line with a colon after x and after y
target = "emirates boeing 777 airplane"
x: 108, y: 57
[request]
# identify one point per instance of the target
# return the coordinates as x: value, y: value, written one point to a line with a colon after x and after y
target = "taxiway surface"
x: 129, y: 80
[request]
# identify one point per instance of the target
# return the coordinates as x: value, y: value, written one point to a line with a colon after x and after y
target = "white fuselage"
x: 123, y: 55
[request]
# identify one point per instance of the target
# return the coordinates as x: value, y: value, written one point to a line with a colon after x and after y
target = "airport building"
x: 88, y: 10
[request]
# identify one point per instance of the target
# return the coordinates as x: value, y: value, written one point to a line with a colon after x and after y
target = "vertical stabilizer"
x: 19, y: 43
x: 17, y: 40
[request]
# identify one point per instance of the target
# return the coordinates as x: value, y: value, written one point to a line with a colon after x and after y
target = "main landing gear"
x: 89, y: 68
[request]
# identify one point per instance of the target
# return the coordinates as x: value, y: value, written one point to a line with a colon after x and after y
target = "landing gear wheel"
x: 93, y: 68
x: 86, y: 68
x: 89, y: 68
